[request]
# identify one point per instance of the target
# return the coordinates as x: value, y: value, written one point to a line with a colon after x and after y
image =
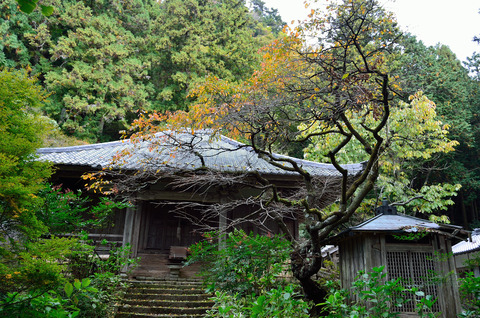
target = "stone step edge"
x: 161, y: 307
x: 143, y: 296
x: 160, y: 302
x: 167, y: 279
x: 165, y: 285
x: 127, y: 314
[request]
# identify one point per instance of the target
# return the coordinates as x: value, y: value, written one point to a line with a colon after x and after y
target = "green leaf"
x: 345, y: 76
x: 85, y: 282
x: 77, y: 284
x: 68, y: 289
x: 27, y: 6
x: 47, y: 10
x: 419, y: 293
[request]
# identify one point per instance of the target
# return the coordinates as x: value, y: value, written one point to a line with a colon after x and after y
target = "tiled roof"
x: 222, y: 154
x: 399, y: 223
x: 394, y: 222
x: 467, y: 246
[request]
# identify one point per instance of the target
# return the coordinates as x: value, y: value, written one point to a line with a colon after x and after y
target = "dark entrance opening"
x: 165, y: 228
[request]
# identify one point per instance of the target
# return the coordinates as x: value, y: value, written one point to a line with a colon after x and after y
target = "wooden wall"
x: 363, y: 251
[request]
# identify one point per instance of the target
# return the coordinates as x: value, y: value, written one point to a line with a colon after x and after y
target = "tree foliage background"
x: 104, y: 62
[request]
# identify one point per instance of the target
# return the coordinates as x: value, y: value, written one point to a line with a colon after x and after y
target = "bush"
x: 34, y: 265
x: 110, y: 289
x: 34, y: 271
x: 470, y: 295
x: 66, y: 212
x: 374, y: 296
x: 248, y: 276
x: 281, y: 302
x: 85, y: 262
x: 246, y: 264
x: 52, y: 304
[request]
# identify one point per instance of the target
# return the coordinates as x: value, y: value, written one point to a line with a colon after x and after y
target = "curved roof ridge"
x: 83, y: 147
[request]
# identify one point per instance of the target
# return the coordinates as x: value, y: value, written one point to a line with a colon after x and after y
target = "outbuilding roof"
x: 398, y: 224
x: 468, y: 246
x: 182, y: 151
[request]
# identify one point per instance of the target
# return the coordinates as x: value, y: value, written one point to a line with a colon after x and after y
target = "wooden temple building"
x: 151, y: 227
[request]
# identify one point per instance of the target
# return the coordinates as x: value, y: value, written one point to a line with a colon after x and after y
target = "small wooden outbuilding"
x: 408, y: 247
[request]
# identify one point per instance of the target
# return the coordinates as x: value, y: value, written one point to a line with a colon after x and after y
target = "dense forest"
x: 103, y: 62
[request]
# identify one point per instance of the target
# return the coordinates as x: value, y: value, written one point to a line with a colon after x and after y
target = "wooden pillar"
x: 131, y: 231
x: 128, y: 227
x: 452, y: 270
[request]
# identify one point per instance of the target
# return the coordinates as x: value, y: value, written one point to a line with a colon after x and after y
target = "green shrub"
x: 34, y: 265
x: 85, y: 262
x: 65, y: 211
x: 58, y: 303
x: 248, y: 275
x: 244, y: 265
x: 371, y: 295
x: 110, y: 289
x: 281, y: 302
x: 470, y: 295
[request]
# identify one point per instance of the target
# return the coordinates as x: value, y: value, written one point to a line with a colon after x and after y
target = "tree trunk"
x: 464, y: 211
x: 303, y: 268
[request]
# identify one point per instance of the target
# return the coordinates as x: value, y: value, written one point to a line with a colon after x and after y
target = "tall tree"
x: 101, y: 78
x: 440, y: 75
x: 104, y: 61
x: 196, y: 38
x: 414, y: 135
x: 20, y: 176
x: 270, y: 17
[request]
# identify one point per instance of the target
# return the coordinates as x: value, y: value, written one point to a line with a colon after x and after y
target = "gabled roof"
x: 394, y: 223
x: 468, y: 246
x: 398, y: 224
x: 221, y: 154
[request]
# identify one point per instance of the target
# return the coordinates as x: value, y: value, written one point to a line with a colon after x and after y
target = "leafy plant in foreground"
x: 280, y: 302
x: 372, y: 295
x: 470, y: 295
x: 50, y: 304
x: 245, y: 264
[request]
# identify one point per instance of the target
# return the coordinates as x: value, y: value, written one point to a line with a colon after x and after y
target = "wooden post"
x: 128, y: 228
x: 131, y: 230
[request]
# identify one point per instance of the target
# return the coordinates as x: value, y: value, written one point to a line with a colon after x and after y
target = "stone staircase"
x: 166, y: 297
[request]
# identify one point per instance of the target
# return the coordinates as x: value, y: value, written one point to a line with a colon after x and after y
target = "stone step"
x: 163, y: 310
x: 168, y: 303
x: 165, y: 291
x: 140, y: 315
x: 189, y: 297
x: 167, y: 279
x: 163, y: 298
x: 183, y: 285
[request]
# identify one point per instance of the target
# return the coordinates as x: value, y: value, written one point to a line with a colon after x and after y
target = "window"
x: 417, y: 269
